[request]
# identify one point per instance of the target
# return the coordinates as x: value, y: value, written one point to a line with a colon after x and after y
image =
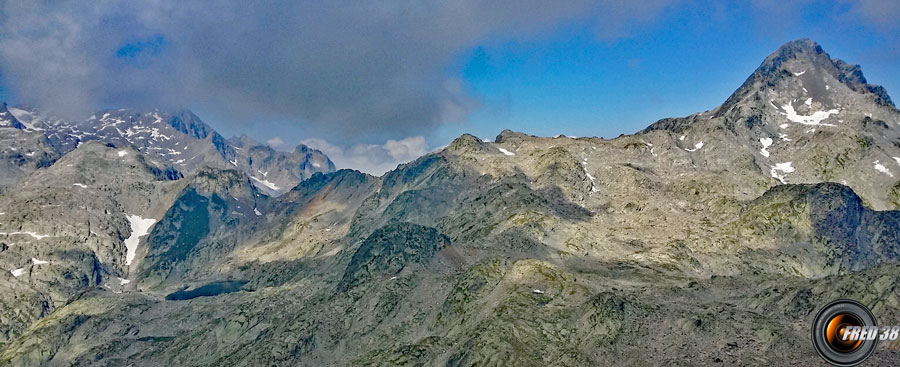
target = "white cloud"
x: 372, y: 158
x: 275, y: 142
x: 406, y: 149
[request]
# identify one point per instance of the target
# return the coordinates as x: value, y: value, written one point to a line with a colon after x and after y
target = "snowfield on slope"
x: 139, y: 227
x: 813, y: 120
x: 504, y: 151
x: 266, y: 183
x: 766, y: 143
x: 785, y: 168
x: 881, y: 168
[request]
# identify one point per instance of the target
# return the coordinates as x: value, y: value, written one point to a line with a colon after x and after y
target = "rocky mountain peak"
x: 188, y: 123
x: 467, y: 143
x: 805, y: 51
x: 802, y: 117
x: 509, y: 136
x: 800, y: 70
x: 7, y: 119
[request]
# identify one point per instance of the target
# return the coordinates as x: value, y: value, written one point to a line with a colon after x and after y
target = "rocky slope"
x: 79, y: 198
x: 705, y: 240
x: 67, y: 231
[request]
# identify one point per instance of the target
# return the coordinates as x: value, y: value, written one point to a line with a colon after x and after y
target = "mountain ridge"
x: 179, y: 140
x: 523, y: 251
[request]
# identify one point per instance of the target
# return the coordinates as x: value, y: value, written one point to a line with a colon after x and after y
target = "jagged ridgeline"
x: 712, y: 238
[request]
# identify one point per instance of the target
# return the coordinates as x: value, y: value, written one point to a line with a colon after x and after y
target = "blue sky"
x: 359, y: 77
x: 576, y: 84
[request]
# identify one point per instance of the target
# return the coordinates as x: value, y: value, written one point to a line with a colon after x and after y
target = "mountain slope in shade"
x: 714, y: 238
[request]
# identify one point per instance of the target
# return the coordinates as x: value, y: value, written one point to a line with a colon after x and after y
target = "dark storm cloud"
x: 353, y: 65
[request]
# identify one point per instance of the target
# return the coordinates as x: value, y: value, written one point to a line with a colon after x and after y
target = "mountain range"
x: 145, y: 238
x: 178, y: 142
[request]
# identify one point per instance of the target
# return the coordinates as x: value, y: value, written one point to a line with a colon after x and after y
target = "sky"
x: 374, y: 84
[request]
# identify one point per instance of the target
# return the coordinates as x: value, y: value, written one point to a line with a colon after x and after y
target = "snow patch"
x: 589, y: 176
x: 39, y: 261
x: 122, y: 153
x: 17, y: 272
x: 256, y: 211
x: 651, y: 150
x: 504, y: 151
x: 696, y: 147
x: 785, y: 168
x: 814, y: 119
x: 139, y: 227
x: 266, y: 183
x: 880, y: 168
x: 32, y: 234
x: 895, y: 158
x: 537, y: 291
x: 766, y: 143
x: 123, y: 281
x: 81, y: 185
x: 800, y: 73
x: 314, y: 164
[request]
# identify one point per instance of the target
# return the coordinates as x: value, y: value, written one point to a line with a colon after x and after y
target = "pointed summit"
x: 801, y: 69
x: 800, y: 53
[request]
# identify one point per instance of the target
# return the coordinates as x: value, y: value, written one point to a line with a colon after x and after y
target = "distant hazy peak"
x: 243, y: 141
x: 510, y: 136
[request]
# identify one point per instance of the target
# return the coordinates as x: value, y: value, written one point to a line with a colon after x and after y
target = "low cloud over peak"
x: 375, y: 159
